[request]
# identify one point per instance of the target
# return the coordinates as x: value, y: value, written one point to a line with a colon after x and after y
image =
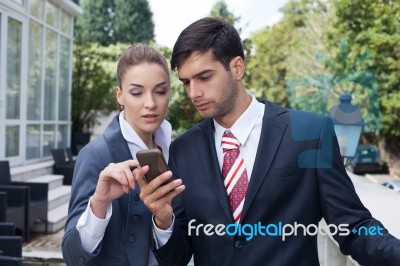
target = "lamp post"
x: 348, y: 123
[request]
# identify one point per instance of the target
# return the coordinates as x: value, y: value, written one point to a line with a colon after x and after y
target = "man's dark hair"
x: 205, y: 34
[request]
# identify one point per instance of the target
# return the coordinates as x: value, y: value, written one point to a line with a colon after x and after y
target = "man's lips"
x: 201, y: 106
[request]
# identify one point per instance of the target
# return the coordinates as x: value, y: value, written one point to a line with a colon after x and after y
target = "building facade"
x: 36, y: 38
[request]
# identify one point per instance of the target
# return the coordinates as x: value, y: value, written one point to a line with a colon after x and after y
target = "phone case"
x: 156, y: 162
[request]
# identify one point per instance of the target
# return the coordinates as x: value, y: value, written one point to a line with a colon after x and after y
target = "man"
x: 250, y: 170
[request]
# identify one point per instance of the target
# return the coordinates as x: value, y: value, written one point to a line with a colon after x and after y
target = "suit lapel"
x: 273, y: 129
x: 209, y: 162
x: 116, y: 142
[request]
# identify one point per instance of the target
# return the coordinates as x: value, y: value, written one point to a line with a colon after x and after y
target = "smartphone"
x: 156, y: 162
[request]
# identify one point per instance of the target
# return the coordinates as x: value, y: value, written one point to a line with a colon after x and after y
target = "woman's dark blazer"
x: 129, y: 232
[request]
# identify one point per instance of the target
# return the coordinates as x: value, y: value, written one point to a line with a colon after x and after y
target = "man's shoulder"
x: 194, y: 132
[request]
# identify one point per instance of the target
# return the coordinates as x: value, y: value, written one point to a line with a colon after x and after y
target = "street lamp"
x: 348, y: 123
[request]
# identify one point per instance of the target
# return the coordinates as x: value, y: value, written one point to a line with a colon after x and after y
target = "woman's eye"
x: 160, y: 92
x: 136, y: 94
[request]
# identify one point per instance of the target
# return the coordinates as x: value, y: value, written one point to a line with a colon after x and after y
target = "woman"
x: 107, y: 222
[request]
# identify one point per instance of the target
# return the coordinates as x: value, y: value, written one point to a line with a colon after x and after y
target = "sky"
x: 172, y: 16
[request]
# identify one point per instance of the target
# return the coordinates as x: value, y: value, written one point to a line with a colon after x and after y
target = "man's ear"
x: 237, y: 68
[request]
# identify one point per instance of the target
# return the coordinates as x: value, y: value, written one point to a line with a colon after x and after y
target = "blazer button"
x: 132, y: 238
x: 135, y: 218
x: 238, y: 244
x: 82, y: 260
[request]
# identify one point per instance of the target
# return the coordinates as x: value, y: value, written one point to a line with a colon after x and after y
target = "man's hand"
x: 158, y: 197
x: 115, y: 180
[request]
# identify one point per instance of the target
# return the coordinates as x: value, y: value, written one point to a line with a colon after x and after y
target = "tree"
x: 372, y: 28
x: 220, y: 10
x: 133, y: 21
x: 96, y: 23
x: 286, y: 52
x: 112, y: 21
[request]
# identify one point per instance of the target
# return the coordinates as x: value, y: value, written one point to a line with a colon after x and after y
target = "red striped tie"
x: 234, y: 174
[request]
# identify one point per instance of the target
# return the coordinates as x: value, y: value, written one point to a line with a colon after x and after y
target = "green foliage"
x: 111, y: 21
x: 372, y: 27
x: 220, y: 10
x: 288, y: 51
x: 133, y: 21
x: 93, y: 81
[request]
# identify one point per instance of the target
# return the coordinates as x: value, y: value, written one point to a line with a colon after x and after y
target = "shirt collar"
x: 244, y: 124
x: 162, y: 135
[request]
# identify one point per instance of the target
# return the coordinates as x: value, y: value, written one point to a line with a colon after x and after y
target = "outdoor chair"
x: 62, y: 166
x: 14, y: 207
x: 36, y: 198
x: 70, y: 156
x: 3, y: 206
x: 7, y: 229
x: 10, y: 245
x: 10, y: 261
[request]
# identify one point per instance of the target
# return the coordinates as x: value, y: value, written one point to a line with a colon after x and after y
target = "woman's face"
x: 145, y: 97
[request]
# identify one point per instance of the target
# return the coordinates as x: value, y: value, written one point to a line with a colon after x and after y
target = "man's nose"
x: 194, y: 90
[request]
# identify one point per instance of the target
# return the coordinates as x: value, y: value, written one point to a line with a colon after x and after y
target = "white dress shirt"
x: 247, y: 129
x: 91, y: 229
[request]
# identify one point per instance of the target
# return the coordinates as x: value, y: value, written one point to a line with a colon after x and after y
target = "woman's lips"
x: 150, y: 118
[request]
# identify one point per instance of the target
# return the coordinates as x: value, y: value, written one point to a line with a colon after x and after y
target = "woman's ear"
x: 237, y: 68
x: 118, y: 95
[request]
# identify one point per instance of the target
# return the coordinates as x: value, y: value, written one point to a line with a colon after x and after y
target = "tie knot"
x: 229, y: 141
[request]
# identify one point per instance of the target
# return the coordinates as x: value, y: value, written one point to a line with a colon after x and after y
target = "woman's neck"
x: 149, y: 141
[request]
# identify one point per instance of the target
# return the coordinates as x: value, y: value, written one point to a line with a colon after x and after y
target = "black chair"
x: 10, y: 246
x: 62, y: 166
x: 36, y: 198
x: 3, y: 206
x: 14, y: 208
x: 10, y: 261
x: 70, y: 155
x: 7, y: 229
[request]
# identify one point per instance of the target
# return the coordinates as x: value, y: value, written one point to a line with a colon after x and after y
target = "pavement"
x: 44, y: 250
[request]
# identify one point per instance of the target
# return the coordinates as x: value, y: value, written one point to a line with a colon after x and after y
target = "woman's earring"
x: 122, y: 107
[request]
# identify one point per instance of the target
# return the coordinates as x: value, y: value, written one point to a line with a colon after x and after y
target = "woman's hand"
x: 115, y: 180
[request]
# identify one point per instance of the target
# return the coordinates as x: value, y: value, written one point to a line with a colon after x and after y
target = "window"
x: 35, y: 93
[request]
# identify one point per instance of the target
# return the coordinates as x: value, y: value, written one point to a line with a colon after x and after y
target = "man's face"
x: 211, y: 88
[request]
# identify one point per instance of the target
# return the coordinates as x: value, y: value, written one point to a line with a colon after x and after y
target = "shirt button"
x: 135, y: 218
x: 132, y: 238
x: 238, y: 244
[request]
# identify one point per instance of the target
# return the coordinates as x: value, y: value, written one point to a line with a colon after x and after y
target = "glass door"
x: 10, y: 88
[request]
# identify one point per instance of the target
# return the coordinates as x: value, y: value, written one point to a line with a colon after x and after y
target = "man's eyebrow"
x: 205, y: 71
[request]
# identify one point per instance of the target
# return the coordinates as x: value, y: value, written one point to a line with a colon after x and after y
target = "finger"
x: 160, y: 180
x: 132, y: 164
x: 178, y: 190
x: 164, y: 190
x: 129, y: 177
x: 139, y: 173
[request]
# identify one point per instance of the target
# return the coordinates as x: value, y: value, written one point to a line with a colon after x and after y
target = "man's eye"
x: 205, y: 77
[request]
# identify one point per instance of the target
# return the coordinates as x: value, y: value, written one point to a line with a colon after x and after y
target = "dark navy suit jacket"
x: 128, y: 236
x: 298, y: 176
